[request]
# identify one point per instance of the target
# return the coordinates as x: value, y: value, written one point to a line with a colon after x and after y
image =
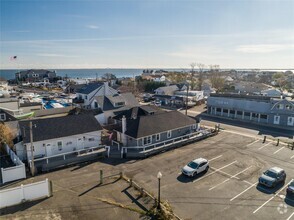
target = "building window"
x: 225, y: 110
x: 263, y: 116
x: 232, y: 112
x: 289, y: 107
x: 147, y: 140
x: 157, y: 137
x: 86, y: 97
x: 247, y: 114
x: 194, y: 126
x: 218, y: 109
x: 169, y: 134
x: 239, y: 113
x: 2, y: 117
x: 91, y: 139
x: 59, y: 145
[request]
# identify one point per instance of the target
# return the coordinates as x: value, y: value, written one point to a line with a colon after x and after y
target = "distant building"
x: 257, y: 109
x: 166, y: 90
x: 33, y: 75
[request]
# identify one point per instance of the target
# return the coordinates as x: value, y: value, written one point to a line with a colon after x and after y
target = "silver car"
x: 272, y: 177
x: 196, y: 166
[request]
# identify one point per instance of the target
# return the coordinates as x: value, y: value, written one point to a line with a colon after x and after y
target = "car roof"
x: 276, y: 169
x: 199, y: 160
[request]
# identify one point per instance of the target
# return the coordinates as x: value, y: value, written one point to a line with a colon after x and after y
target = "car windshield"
x: 193, y: 165
x: 270, y: 174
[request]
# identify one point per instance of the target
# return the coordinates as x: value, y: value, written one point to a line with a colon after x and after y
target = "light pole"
x: 159, y: 175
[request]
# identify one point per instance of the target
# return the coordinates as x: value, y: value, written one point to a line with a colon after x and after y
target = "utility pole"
x: 32, y: 149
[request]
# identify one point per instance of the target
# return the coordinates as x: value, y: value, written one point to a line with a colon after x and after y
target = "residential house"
x: 255, y: 109
x: 28, y: 107
x: 152, y: 127
x: 108, y: 104
x: 53, y: 136
x: 166, y: 90
x: 34, y: 75
x: 271, y: 93
x: 250, y: 87
x: 87, y: 94
x: 5, y: 116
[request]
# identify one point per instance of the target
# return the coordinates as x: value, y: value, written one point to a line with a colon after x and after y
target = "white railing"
x: 166, y: 143
x: 15, y: 172
x: 23, y: 193
x: 63, y: 155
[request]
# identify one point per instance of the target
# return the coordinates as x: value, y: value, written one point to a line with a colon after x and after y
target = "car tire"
x: 206, y: 169
x: 195, y: 173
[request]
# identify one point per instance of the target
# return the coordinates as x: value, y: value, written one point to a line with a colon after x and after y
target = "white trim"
x: 169, y: 134
x: 59, y: 149
x: 157, y: 135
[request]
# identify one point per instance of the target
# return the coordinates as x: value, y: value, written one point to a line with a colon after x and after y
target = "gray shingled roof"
x: 50, y: 128
x: 152, y: 124
x: 88, y: 88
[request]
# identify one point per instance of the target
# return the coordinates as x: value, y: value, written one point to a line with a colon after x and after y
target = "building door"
x: 290, y: 121
x: 276, y: 119
x: 48, y: 150
x: 80, y: 143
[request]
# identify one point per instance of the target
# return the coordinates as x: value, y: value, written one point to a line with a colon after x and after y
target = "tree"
x: 201, y: 67
x: 216, y: 79
x: 5, y: 135
x: 192, y: 65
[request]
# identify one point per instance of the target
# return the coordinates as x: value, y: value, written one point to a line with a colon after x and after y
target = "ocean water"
x: 82, y: 73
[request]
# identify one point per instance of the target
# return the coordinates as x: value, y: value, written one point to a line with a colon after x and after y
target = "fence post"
x: 101, y: 176
x: 23, y: 199
x: 120, y: 174
x: 50, y: 188
x: 278, y: 142
x: 264, y: 139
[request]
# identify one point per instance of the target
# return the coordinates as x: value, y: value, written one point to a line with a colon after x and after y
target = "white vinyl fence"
x: 16, y: 172
x: 23, y: 193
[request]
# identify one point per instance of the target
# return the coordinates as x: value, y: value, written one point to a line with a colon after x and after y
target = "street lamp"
x: 159, y: 175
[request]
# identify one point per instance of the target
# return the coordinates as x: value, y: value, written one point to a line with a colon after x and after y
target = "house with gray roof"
x: 33, y: 75
x: 144, y: 127
x: 166, y: 90
x: 109, y: 104
x: 87, y: 93
x: 264, y: 110
x: 58, y: 135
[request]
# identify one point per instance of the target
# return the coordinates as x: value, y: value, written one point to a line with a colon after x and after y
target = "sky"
x: 146, y: 33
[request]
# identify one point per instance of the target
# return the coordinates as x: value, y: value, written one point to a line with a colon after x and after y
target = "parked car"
x: 157, y: 103
x: 290, y: 188
x: 196, y: 166
x: 272, y: 177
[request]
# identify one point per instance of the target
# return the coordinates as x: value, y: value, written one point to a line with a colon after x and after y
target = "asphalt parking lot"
x: 228, y: 190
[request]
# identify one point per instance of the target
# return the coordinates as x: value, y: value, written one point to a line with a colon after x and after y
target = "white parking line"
x: 290, y: 216
x: 271, y: 198
x: 292, y: 157
x: 243, y: 191
x: 252, y: 143
x: 229, y: 178
x: 264, y: 145
x: 215, y: 158
x: 214, y: 171
x: 227, y: 174
x: 279, y: 150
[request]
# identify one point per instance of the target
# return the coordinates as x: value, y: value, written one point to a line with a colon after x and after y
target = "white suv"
x: 196, y: 166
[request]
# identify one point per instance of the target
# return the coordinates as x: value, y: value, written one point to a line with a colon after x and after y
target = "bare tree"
x: 215, y: 77
x: 5, y: 135
x: 201, y: 67
x: 192, y: 65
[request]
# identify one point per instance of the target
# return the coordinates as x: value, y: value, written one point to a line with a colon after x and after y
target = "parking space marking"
x: 290, y: 216
x: 214, y: 171
x: 215, y: 158
x: 229, y: 178
x: 271, y: 198
x: 252, y: 143
x: 264, y: 145
x: 279, y: 150
x: 292, y: 157
x: 243, y: 191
